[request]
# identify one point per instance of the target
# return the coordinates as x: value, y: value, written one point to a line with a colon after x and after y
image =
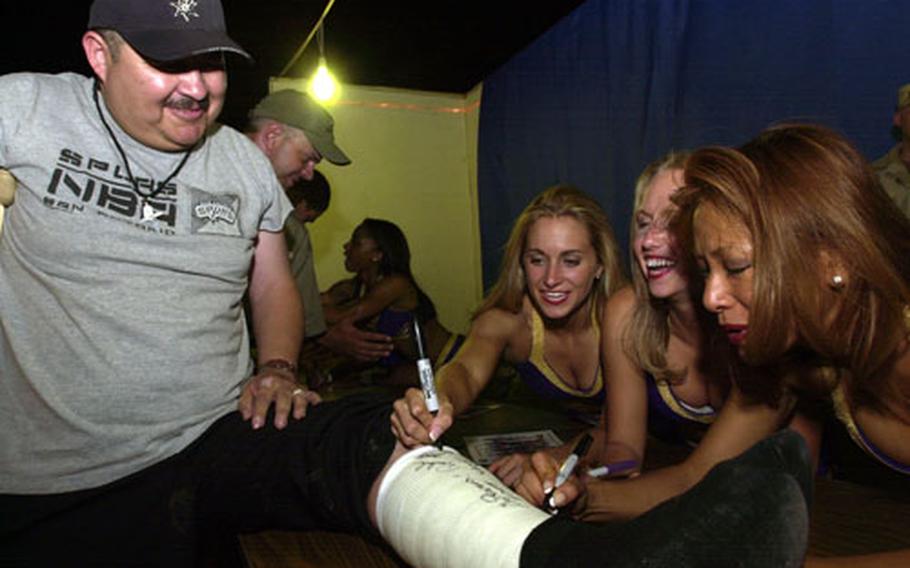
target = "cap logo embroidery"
x: 184, y: 9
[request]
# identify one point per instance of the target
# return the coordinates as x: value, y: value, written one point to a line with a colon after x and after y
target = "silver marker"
x: 425, y: 370
x: 567, y: 467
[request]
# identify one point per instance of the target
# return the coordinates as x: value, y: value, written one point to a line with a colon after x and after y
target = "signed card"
x: 487, y: 449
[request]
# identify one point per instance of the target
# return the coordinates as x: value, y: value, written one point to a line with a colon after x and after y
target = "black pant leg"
x: 145, y: 519
x: 749, y: 511
x: 314, y: 474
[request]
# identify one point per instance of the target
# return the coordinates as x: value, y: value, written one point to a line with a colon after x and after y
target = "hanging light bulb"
x: 323, y: 86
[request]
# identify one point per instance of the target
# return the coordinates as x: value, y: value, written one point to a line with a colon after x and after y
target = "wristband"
x: 280, y: 365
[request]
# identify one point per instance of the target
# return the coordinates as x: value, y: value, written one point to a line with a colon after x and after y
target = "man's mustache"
x: 187, y: 103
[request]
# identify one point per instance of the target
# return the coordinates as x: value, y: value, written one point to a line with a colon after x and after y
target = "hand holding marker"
x: 566, y: 469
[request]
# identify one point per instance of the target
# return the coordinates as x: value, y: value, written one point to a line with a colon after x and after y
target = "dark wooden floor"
x: 279, y: 549
x: 852, y: 519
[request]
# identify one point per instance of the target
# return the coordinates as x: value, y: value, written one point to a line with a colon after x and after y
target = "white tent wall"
x: 414, y: 159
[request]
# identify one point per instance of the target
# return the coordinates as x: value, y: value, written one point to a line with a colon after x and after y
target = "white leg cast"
x: 439, y: 509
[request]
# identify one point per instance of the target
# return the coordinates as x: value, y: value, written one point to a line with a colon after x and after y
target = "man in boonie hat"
x: 296, y: 133
x: 893, y: 169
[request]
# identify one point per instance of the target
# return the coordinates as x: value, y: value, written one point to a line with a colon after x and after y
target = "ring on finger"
x: 297, y: 391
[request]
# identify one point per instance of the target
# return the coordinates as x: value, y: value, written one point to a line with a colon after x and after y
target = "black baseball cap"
x: 166, y: 30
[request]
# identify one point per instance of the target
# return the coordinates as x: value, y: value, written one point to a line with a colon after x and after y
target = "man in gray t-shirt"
x: 125, y: 258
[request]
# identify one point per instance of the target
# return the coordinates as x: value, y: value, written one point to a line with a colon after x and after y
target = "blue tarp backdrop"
x: 618, y: 83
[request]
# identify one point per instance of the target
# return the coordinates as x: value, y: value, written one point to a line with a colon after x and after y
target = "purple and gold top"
x: 541, y: 378
x: 842, y: 411
x: 672, y: 419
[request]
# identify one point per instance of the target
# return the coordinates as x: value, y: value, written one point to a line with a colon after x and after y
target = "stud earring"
x: 837, y: 281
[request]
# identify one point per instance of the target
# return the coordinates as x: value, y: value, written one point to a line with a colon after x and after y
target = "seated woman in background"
x: 660, y: 376
x: 382, y: 296
x: 544, y: 315
x: 807, y: 265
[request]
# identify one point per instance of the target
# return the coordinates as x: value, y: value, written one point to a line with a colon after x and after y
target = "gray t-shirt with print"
x: 122, y: 336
